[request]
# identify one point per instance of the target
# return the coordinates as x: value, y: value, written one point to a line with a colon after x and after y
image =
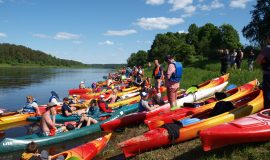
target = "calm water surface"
x: 17, y: 83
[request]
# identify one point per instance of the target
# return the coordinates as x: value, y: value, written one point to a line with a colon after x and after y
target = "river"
x: 17, y: 83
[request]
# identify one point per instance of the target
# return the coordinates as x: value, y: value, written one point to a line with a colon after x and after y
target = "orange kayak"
x: 86, y: 151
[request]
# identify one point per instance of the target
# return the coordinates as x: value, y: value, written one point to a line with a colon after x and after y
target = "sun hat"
x: 51, y: 104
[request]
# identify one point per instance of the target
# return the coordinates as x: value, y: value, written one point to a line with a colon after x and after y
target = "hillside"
x: 20, y: 55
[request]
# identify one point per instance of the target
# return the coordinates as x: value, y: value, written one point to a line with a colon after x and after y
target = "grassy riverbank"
x: 192, y: 149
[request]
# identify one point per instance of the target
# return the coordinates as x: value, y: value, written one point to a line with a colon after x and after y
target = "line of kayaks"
x: 214, y: 120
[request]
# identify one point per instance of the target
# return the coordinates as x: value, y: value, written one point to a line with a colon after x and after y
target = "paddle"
x: 56, y: 95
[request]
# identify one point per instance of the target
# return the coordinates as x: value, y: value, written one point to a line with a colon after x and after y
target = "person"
x: 232, y: 58
x: 224, y: 60
x: 173, y: 77
x: 251, y: 59
x: 109, y: 82
x: 264, y: 60
x: 47, y: 125
x: 138, y: 80
x: 53, y: 97
x: 67, y: 109
x: 103, y: 106
x: 86, y: 120
x: 143, y: 105
x: 93, y: 109
x: 81, y: 85
x: 140, y: 70
x: 31, y: 106
x: 31, y: 153
x: 239, y: 58
x: 113, y: 96
x: 128, y: 71
x: 158, y: 76
x: 75, y: 99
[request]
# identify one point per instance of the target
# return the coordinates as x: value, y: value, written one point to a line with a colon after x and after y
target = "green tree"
x: 229, y: 37
x: 257, y: 29
x: 139, y: 58
x: 192, y: 36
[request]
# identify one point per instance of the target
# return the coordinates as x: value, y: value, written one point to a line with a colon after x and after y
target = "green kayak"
x: 59, y: 118
x: 13, y: 144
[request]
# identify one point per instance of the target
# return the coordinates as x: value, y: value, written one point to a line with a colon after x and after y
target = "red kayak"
x: 178, y: 132
x: 79, y: 91
x: 158, y: 121
x: 86, y: 151
x: 254, y: 128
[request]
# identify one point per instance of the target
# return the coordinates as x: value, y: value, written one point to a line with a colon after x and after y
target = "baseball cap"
x: 144, y: 94
x: 65, y: 99
x: 82, y: 81
x: 102, y: 96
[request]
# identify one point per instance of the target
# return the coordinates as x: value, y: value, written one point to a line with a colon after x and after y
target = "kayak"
x: 254, y: 128
x: 59, y: 118
x: 127, y: 101
x: 13, y: 117
x: 180, y: 131
x: 19, y: 143
x: 168, y: 117
x: 86, y: 151
x: 139, y: 117
x: 79, y: 91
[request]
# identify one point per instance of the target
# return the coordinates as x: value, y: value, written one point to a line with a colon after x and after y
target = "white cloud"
x: 66, y: 36
x: 120, y: 33
x: 155, y: 2
x: 189, y: 9
x: 38, y: 35
x: 106, y: 43
x: 180, y: 4
x: 238, y: 3
x: 215, y: 4
x: 158, y: 22
x: 3, y: 35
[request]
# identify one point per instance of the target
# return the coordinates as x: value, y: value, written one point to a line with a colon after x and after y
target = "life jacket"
x: 29, y: 107
x: 141, y: 107
x: 157, y: 72
x: 52, y: 97
x: 64, y: 106
x: 177, y: 75
x: 103, y: 106
x: 27, y: 156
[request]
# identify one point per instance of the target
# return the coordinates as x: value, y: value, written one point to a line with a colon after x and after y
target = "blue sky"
x: 108, y: 31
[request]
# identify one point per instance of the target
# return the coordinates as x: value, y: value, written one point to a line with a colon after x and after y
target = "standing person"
x: 232, y: 58
x: 239, y: 58
x: 224, y: 60
x: 251, y: 58
x: 264, y: 60
x: 173, y: 77
x: 31, y: 106
x: 158, y: 76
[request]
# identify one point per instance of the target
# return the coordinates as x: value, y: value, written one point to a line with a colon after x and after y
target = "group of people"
x: 171, y: 79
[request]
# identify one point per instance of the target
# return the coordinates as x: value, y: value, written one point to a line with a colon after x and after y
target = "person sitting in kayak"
x: 138, y: 80
x: 81, y: 85
x: 86, y: 120
x: 143, y: 105
x: 31, y: 106
x: 31, y: 153
x: 103, y: 106
x: 113, y: 97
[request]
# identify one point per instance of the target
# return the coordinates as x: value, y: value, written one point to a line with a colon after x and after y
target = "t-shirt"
x: 143, y: 105
x: 65, y: 107
x: 266, y: 53
x: 170, y: 71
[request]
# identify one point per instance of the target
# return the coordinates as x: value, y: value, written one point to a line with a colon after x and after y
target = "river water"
x: 17, y: 83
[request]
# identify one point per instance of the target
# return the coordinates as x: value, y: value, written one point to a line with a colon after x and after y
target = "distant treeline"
x: 113, y: 66
x: 21, y: 55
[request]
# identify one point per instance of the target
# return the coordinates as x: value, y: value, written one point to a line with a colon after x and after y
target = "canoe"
x: 59, y: 118
x: 245, y: 105
x: 254, y: 128
x: 139, y: 117
x: 158, y: 121
x: 19, y: 143
x: 86, y: 151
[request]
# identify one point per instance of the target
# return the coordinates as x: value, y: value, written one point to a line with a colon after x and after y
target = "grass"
x: 192, y: 149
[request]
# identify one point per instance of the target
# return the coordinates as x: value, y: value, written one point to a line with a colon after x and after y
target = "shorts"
x: 172, y: 94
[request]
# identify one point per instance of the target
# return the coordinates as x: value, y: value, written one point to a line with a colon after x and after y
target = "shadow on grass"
x: 117, y: 157
x: 224, y: 152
